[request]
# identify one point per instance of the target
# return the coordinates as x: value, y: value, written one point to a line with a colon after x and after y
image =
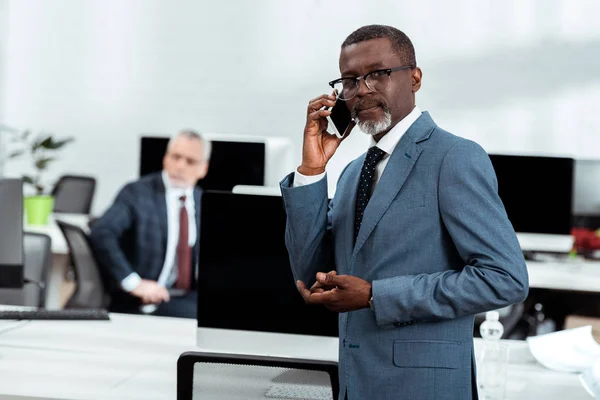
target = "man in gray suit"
x: 416, y: 239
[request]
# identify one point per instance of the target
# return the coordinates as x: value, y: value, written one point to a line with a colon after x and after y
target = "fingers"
x: 324, y: 100
x: 165, y: 296
x: 329, y: 279
x: 304, y: 292
x: 150, y: 298
x: 307, y: 295
x: 317, y: 115
x: 319, y: 286
x: 155, y: 294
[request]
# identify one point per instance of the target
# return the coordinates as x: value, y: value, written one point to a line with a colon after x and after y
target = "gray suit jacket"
x: 438, y: 247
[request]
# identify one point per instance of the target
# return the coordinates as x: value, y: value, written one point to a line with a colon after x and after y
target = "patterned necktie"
x: 365, y: 184
x: 184, y: 251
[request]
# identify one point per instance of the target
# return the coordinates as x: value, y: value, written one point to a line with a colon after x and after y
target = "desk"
x: 582, y: 276
x: 59, y: 245
x: 57, y: 290
x: 134, y: 357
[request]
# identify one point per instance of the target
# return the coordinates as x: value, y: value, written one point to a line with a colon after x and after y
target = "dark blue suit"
x: 131, y: 236
x: 438, y: 247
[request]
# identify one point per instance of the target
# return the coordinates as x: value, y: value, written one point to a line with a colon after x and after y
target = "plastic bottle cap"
x: 492, y: 315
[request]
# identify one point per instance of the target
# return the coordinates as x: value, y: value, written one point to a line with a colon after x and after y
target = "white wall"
x: 514, y: 75
x: 3, y: 42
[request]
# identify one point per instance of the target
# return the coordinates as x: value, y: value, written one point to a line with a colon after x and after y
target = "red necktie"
x: 184, y: 251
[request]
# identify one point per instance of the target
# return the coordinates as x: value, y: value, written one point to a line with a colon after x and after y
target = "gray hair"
x: 191, y: 134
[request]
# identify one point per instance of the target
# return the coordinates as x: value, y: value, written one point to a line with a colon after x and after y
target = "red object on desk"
x: 586, y: 239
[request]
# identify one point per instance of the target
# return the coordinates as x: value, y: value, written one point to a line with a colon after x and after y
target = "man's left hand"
x: 349, y: 293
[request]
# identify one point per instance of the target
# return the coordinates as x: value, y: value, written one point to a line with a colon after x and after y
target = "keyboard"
x: 303, y: 392
x: 69, y: 314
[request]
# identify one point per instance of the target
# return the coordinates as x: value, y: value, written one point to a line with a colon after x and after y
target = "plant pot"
x: 38, y: 208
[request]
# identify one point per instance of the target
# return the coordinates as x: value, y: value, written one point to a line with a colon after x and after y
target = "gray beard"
x: 374, y: 127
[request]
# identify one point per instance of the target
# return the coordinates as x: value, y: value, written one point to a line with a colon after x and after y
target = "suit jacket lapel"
x: 401, y: 162
x: 161, y: 210
x: 346, y: 204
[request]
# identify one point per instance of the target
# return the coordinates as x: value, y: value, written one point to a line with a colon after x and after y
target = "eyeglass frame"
x: 357, y: 79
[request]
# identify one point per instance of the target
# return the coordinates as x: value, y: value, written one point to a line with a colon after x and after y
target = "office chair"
x: 203, y: 375
x: 74, y: 194
x: 36, y: 268
x: 89, y: 283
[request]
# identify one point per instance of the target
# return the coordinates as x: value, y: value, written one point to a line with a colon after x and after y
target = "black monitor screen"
x: 244, y: 279
x: 231, y: 163
x: 536, y: 192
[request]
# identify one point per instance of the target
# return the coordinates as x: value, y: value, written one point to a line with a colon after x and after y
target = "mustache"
x: 363, y: 105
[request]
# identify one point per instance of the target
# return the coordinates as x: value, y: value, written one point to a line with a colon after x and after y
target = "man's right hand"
x: 150, y: 292
x: 319, y: 145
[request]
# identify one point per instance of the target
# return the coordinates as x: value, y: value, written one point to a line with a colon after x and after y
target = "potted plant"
x: 41, y: 149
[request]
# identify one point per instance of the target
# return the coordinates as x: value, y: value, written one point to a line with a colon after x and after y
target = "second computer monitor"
x: 244, y: 277
x: 231, y: 163
x: 247, y: 297
x: 537, y: 193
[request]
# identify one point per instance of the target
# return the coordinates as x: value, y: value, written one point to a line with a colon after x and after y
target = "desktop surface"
x: 245, y: 280
x: 133, y: 357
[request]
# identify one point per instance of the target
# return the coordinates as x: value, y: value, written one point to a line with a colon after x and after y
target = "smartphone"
x: 339, y: 119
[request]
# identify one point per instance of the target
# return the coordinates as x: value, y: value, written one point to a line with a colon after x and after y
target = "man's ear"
x: 416, y: 79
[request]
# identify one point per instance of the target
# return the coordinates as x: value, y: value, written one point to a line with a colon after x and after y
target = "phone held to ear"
x: 339, y: 119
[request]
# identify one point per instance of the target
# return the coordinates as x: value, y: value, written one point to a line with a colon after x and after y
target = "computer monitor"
x: 537, y: 193
x: 247, y: 297
x: 11, y: 233
x: 586, y: 197
x: 235, y: 160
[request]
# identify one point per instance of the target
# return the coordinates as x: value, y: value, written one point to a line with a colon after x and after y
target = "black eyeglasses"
x: 376, y: 81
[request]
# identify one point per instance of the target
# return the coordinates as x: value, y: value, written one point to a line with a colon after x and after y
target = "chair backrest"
x: 89, y: 285
x: 203, y: 375
x: 37, y: 259
x: 74, y: 194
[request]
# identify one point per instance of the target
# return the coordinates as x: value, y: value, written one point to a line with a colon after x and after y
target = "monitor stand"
x: 542, y: 242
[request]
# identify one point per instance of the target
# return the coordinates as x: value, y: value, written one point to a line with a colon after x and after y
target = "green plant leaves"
x: 16, y: 153
x: 37, y: 147
x: 51, y: 144
x: 42, y: 163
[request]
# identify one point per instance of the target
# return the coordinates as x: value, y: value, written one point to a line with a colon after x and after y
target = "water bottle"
x: 491, y: 329
x: 493, y: 362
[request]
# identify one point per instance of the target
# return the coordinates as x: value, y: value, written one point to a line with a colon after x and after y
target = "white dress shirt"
x: 168, y: 274
x: 387, y: 144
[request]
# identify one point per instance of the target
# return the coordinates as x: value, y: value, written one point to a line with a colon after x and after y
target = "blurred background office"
x: 112, y: 80
x: 519, y: 77
x: 516, y: 76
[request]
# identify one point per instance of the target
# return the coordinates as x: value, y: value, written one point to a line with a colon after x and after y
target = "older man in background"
x: 147, y: 241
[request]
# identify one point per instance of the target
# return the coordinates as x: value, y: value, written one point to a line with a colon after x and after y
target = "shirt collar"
x: 391, y: 139
x: 176, y: 191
